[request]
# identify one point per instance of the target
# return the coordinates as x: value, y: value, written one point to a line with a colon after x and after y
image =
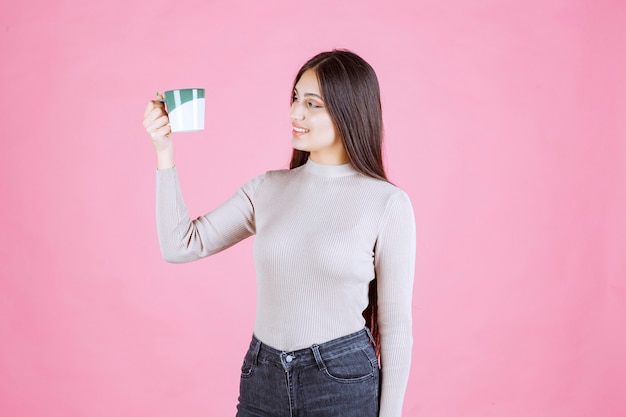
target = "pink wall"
x: 505, y: 122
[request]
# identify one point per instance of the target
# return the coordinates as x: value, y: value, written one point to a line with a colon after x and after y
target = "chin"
x: 299, y: 146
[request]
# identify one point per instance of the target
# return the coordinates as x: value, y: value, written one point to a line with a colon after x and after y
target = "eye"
x: 314, y: 105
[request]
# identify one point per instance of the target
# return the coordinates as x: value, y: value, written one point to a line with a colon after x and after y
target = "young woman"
x: 334, y: 252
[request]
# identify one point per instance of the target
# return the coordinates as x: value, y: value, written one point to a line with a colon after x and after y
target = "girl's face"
x: 313, y: 129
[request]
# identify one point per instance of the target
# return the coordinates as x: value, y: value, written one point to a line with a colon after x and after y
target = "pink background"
x: 505, y: 123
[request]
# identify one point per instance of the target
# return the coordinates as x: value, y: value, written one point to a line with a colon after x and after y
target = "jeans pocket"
x: 349, y: 367
x: 247, y: 368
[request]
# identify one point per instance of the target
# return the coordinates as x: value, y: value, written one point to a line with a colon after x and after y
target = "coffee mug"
x: 186, y: 109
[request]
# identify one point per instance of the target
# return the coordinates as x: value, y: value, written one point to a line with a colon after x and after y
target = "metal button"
x: 289, y: 358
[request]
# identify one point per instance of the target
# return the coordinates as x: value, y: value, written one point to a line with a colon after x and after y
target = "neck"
x: 329, y: 159
x: 329, y: 170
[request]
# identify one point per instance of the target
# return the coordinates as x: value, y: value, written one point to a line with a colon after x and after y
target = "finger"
x: 161, y: 121
x: 154, y: 125
x: 153, y: 104
x: 149, y: 108
x: 162, y: 132
x: 159, y: 109
x: 151, y: 117
x: 154, y: 114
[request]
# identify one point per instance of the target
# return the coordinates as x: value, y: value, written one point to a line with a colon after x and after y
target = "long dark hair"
x: 351, y: 93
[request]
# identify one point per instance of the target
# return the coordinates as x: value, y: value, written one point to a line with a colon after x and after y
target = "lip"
x: 299, y: 130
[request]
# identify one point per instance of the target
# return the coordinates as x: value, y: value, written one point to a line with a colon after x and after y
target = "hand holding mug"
x: 178, y: 111
x: 157, y: 123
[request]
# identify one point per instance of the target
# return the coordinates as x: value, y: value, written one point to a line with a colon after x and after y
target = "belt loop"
x: 255, y: 351
x: 318, y: 358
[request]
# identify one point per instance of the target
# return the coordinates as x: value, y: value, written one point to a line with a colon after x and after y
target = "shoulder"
x: 383, y: 189
x: 269, y: 179
x: 283, y: 173
x: 281, y: 177
x: 392, y: 202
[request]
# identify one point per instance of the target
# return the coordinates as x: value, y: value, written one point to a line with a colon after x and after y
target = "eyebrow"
x: 295, y: 90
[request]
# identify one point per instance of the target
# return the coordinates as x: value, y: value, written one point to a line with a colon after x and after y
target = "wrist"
x: 165, y: 158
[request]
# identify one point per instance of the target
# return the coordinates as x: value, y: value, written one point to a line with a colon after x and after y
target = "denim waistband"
x: 311, y: 355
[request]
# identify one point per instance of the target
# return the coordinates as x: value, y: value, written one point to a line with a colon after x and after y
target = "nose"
x: 296, y: 112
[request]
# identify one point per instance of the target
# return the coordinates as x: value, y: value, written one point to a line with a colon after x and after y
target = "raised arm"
x: 182, y: 239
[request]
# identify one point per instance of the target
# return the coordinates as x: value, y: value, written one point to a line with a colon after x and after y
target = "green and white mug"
x: 186, y: 109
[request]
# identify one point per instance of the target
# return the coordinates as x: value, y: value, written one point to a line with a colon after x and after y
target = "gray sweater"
x: 323, y: 232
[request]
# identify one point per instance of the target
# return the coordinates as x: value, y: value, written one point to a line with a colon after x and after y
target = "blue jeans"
x: 339, y: 378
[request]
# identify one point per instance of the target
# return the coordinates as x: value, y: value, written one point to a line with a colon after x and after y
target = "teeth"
x: 300, y: 130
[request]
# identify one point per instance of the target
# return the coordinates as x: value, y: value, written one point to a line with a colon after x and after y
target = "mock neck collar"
x: 331, y: 171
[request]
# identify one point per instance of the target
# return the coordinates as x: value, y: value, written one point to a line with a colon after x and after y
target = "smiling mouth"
x: 300, y: 130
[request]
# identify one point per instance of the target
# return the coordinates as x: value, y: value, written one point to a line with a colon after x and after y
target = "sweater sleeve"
x: 182, y: 239
x: 395, y: 269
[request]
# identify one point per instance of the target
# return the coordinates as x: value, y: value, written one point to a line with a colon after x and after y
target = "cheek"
x: 327, y: 135
x: 328, y: 128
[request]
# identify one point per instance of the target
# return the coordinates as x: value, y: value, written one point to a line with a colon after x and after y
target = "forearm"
x: 396, y: 347
x: 165, y: 156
